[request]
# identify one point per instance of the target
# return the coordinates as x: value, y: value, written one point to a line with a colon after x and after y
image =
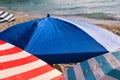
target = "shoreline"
x: 76, y: 17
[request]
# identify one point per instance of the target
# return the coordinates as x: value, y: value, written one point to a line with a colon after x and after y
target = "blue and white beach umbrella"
x: 58, y: 40
x: 103, y: 67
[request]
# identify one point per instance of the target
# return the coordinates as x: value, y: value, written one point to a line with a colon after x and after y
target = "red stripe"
x: 31, y: 74
x: 10, y: 51
x: 2, y: 42
x: 17, y: 62
x: 58, y: 78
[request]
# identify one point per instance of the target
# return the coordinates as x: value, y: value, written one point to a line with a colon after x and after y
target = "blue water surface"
x: 87, y: 8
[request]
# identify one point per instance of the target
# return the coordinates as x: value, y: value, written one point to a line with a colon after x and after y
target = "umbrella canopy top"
x: 52, y: 35
x: 57, y: 36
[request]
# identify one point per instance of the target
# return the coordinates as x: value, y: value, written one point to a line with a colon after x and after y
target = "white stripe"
x: 15, y: 56
x: 2, y: 20
x: 11, y: 19
x: 65, y: 76
x: 95, y: 68
x: 6, y: 46
x: 21, y: 69
x: 9, y: 16
x: 48, y: 76
x: 78, y: 72
x: 4, y: 14
x: 1, y: 12
x: 112, y: 60
x: 109, y: 40
x: 107, y: 78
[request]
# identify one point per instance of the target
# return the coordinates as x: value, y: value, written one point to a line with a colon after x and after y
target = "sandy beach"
x: 113, y: 27
x: 109, y: 25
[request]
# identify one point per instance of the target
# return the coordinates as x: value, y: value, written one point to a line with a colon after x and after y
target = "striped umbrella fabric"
x: 5, y: 16
x: 104, y: 67
x: 17, y: 64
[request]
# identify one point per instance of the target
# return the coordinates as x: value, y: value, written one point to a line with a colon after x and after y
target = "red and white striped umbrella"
x: 17, y: 64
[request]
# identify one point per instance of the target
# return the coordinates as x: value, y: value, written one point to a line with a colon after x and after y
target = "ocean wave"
x: 114, y: 16
x: 102, y: 16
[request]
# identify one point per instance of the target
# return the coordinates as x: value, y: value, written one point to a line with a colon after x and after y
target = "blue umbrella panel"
x: 58, y: 40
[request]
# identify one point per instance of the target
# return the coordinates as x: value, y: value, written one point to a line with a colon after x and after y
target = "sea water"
x: 98, y: 9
